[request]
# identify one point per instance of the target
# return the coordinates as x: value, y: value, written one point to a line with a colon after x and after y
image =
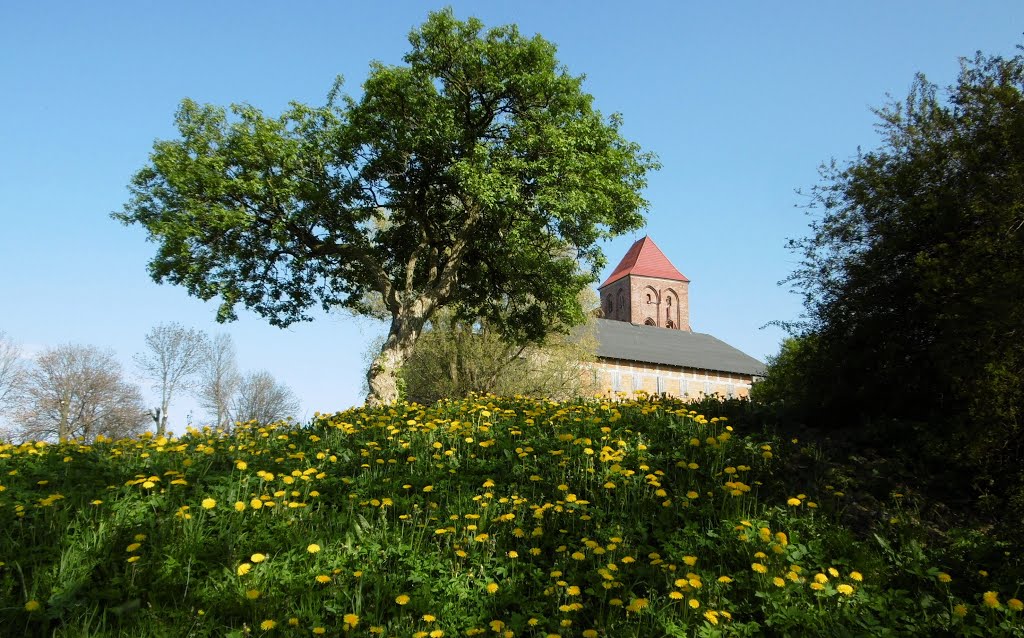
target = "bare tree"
x: 262, y: 399
x: 73, y: 391
x: 175, y: 355
x: 219, y: 379
x: 11, y: 370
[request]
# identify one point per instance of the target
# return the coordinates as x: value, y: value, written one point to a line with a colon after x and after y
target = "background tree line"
x: 80, y: 391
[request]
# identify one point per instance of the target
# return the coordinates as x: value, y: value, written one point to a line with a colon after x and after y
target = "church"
x: 644, y: 338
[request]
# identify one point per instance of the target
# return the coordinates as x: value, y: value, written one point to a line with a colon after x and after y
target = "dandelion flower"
x: 258, y: 558
x: 778, y: 582
x: 944, y: 577
x: 991, y: 599
x: 492, y: 588
x: 793, y: 502
x: 1015, y: 604
x: 402, y: 599
x: 244, y: 568
x: 845, y: 590
x: 32, y: 605
x: 319, y: 631
x: 693, y: 603
x: 573, y: 590
x: 242, y: 465
x: 856, y: 576
x: 133, y: 547
x: 256, y: 503
x: 267, y: 625
x: 960, y: 610
x: 313, y: 548
x: 351, y: 620
x: 429, y: 618
x: 252, y: 594
x: 239, y: 506
x: 323, y: 578
x: 759, y: 568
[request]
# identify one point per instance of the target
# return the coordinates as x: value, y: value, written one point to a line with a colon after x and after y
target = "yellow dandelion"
x: 32, y: 605
x: 759, y: 568
x: 312, y: 548
x: 856, y: 576
x: 793, y: 502
x: 258, y: 558
x: 402, y: 599
x: 239, y: 506
x: 693, y: 603
x: 573, y: 590
x: 242, y: 465
x: 267, y: 625
x: 991, y: 599
x: 1015, y: 604
x: 133, y: 547
x: 429, y: 618
x: 244, y: 568
x: 256, y: 503
x: 944, y: 577
x: 845, y: 590
x: 323, y: 578
x: 252, y: 594
x: 960, y: 610
x: 492, y: 588
x: 319, y: 631
x: 351, y: 620
x: 724, y: 579
x: 778, y: 582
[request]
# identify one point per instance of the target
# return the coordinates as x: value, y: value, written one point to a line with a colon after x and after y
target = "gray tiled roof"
x: 649, y: 344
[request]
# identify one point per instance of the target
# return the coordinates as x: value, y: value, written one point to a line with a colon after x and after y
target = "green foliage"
x: 454, y: 359
x: 635, y: 518
x: 912, y: 282
x: 477, y: 175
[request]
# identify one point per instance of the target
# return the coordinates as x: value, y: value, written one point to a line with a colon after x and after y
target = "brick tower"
x: 646, y: 289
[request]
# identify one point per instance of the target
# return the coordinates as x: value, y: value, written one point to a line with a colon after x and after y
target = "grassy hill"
x: 497, y: 517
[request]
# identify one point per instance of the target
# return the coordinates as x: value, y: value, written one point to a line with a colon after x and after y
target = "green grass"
x: 486, y: 517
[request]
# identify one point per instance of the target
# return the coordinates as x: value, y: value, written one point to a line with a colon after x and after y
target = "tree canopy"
x: 475, y: 176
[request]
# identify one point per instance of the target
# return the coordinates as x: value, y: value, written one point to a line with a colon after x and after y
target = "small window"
x: 670, y: 324
x: 669, y: 300
x: 648, y: 297
x: 650, y: 322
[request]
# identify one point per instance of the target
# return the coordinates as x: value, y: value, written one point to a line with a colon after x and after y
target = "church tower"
x: 646, y: 289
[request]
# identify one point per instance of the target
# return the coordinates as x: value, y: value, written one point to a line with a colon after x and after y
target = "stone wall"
x: 610, y: 376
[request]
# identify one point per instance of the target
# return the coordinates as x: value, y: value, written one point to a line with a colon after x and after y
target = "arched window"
x: 648, y: 297
x: 650, y: 322
x: 608, y: 306
x: 669, y: 324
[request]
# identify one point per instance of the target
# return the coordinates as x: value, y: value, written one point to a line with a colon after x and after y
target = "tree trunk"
x: 406, y: 325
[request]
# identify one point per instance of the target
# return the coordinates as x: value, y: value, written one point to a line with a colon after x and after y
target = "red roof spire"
x: 645, y: 259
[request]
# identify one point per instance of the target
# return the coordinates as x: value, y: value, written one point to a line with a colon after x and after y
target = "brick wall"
x: 641, y: 300
x: 609, y: 376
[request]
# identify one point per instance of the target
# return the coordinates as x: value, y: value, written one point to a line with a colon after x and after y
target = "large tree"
x: 477, y: 175
x: 913, y: 276
x: 173, y: 358
x: 76, y: 391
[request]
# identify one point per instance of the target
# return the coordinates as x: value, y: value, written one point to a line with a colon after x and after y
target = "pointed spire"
x: 645, y: 259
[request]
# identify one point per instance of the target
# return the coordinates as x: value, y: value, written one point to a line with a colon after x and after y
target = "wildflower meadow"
x: 486, y: 517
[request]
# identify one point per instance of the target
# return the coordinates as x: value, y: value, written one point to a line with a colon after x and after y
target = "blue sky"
x: 741, y: 101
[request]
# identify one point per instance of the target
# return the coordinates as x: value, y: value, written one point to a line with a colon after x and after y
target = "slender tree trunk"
x: 406, y: 327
